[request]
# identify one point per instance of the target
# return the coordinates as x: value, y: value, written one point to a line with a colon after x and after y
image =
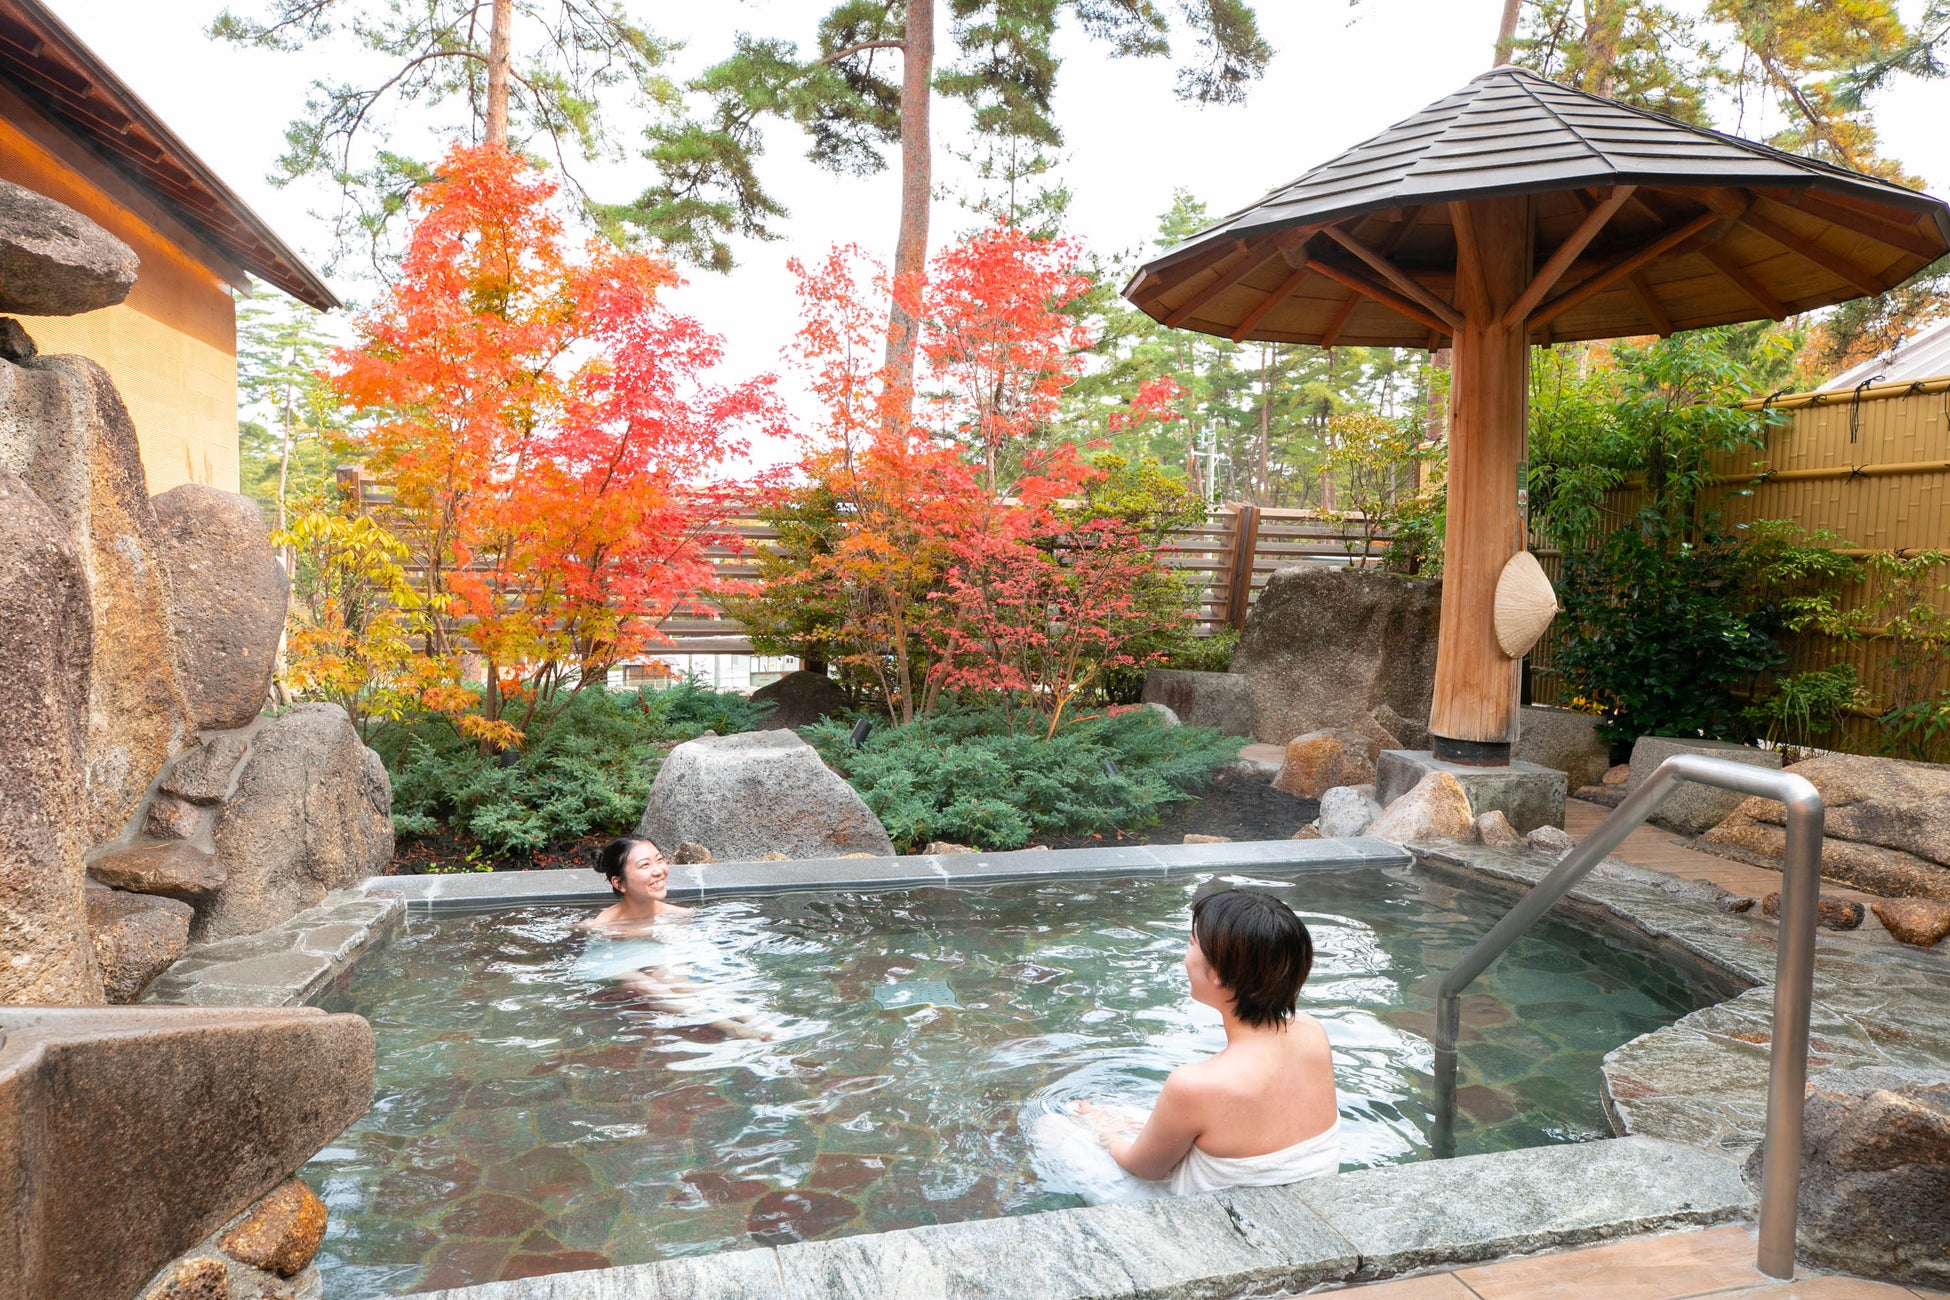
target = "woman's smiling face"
x: 645, y: 875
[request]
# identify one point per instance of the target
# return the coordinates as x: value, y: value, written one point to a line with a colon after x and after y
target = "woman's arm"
x: 1175, y: 1123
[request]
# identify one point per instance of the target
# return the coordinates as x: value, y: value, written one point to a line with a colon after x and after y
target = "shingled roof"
x: 48, y: 64
x: 1773, y: 233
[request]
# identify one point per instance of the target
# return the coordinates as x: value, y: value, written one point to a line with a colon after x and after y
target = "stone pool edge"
x: 1248, y: 1241
x: 1687, y: 1097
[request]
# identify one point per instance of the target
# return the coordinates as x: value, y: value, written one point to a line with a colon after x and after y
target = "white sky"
x: 1339, y: 75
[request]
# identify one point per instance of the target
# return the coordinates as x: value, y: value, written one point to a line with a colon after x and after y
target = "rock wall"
x: 128, y: 626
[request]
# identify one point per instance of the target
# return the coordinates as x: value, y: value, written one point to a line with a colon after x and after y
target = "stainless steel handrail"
x: 1794, y: 964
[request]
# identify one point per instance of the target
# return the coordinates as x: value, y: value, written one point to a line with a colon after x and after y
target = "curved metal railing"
x: 1794, y: 966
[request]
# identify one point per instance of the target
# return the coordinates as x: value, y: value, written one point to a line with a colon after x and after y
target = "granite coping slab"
x: 1247, y: 1241
x: 287, y: 965
x: 463, y: 891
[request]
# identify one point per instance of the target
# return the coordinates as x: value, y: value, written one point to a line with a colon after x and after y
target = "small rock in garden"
x: 1736, y: 904
x: 1347, y: 811
x: 16, y: 344
x: 1609, y: 796
x: 1496, y: 832
x: 1208, y: 839
x: 690, y: 851
x: 173, y: 870
x: 1034, y: 848
x: 172, y: 819
x: 940, y: 848
x: 1320, y: 760
x: 1311, y: 831
x: 1831, y: 912
x: 198, y: 1278
x: 1551, y: 839
x: 773, y: 856
x: 1164, y: 712
x: 859, y: 855
x: 282, y: 1232
x: 1921, y: 921
x: 1618, y: 775
x: 1437, y: 808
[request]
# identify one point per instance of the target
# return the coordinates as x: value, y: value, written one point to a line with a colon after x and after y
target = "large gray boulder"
x: 56, y: 262
x: 64, y: 431
x: 1887, y: 828
x: 311, y: 812
x: 801, y: 698
x: 229, y: 597
x: 46, y: 635
x: 1692, y: 809
x: 1564, y: 741
x: 759, y: 792
x: 1329, y: 647
x: 1220, y: 700
x: 1875, y: 1174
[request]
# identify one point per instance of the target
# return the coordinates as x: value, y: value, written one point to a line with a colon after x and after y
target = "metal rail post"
x: 1794, y: 966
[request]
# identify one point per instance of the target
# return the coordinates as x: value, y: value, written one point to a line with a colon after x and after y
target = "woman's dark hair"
x: 615, y: 853
x: 1258, y: 949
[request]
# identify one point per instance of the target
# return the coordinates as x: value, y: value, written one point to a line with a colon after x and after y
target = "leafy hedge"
x: 587, y: 769
x: 965, y: 777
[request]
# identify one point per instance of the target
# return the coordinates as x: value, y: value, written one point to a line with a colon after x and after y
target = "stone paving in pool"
x: 530, y: 1120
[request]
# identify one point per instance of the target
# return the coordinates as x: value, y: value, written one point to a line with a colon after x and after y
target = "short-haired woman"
x: 1262, y: 1111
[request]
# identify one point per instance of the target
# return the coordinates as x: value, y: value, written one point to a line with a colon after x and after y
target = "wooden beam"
x: 1249, y: 259
x: 1649, y: 302
x: 1270, y: 301
x: 1448, y: 316
x: 1908, y: 238
x: 1723, y: 262
x: 1618, y: 267
x: 1567, y: 252
x: 1349, y: 279
x: 1342, y: 315
x: 1809, y: 251
x: 1180, y: 271
x: 1469, y: 263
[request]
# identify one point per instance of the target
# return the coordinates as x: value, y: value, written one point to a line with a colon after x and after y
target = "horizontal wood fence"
x: 1870, y: 466
x: 1228, y: 559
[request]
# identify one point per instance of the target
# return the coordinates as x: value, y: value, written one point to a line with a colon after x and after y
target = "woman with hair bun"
x: 637, y: 946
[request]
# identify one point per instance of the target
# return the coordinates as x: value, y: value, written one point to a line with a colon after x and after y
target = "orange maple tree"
x: 556, y: 454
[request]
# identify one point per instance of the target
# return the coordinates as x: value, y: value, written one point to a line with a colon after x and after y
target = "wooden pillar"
x: 1475, y: 710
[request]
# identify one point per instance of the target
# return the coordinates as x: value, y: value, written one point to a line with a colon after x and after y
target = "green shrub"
x: 587, y: 770
x: 1662, y: 632
x: 964, y: 777
x: 1804, y: 707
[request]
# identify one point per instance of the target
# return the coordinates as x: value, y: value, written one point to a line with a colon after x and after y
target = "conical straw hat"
x: 1525, y: 604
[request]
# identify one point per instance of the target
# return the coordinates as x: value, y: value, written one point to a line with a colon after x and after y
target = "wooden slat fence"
x: 1229, y: 557
x: 1871, y: 467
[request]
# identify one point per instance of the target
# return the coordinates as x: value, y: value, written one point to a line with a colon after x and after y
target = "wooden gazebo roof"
x: 42, y: 59
x: 1653, y: 226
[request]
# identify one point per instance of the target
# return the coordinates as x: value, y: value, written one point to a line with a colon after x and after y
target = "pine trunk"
x: 1506, y: 31
x: 500, y: 67
x: 917, y: 182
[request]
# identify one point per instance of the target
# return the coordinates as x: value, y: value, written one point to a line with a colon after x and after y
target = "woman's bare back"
x: 1263, y: 1094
